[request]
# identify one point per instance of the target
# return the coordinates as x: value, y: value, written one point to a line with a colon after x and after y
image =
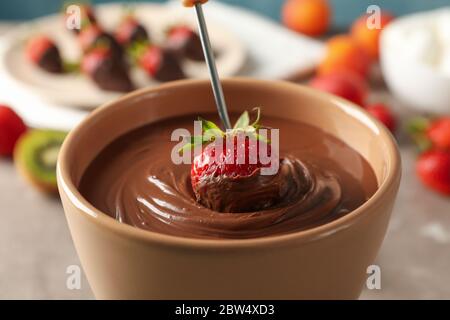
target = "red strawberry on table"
x: 11, y: 128
x: 131, y: 31
x: 185, y: 43
x: 106, y: 71
x: 439, y: 133
x: 217, y: 167
x: 384, y: 115
x: 159, y: 63
x: 433, y: 168
x: 43, y: 52
x: 345, y: 84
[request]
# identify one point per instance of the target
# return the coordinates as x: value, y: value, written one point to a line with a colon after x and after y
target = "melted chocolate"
x: 320, y: 179
x: 224, y: 194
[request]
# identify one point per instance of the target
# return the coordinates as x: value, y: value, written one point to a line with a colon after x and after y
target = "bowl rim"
x: 103, y: 220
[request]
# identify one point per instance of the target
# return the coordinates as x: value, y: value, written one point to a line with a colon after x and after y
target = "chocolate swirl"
x: 134, y: 181
x: 165, y: 201
x: 256, y: 192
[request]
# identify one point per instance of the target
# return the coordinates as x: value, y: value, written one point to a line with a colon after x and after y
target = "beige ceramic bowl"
x: 330, y: 261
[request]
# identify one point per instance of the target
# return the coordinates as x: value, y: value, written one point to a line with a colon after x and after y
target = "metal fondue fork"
x: 211, y: 63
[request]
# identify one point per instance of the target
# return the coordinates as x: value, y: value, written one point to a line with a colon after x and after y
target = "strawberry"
x: 106, y: 71
x: 433, y: 168
x: 131, y: 31
x: 42, y: 51
x: 185, y: 42
x: 226, y: 165
x: 384, y: 115
x: 219, y: 162
x: 11, y: 128
x: 159, y: 64
x: 345, y: 84
x: 439, y: 133
x: 417, y: 128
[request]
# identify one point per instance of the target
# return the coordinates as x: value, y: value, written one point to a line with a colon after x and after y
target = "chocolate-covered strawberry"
x: 42, y: 51
x: 93, y: 36
x: 106, y: 71
x: 230, y: 165
x: 130, y: 31
x: 185, y: 43
x: 160, y: 64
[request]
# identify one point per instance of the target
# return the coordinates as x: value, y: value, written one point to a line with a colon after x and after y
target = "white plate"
x: 273, y: 52
x: 78, y: 90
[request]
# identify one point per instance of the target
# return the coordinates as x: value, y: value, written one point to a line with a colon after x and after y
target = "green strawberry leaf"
x: 210, y: 131
x: 262, y: 138
x: 417, y: 128
x: 208, y: 125
x: 423, y: 144
x: 418, y: 125
x: 71, y: 67
x: 243, y: 121
x: 255, y: 135
x: 193, y: 142
x: 258, y: 117
x: 211, y: 134
x: 136, y: 50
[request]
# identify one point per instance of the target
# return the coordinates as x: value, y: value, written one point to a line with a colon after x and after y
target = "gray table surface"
x: 36, y: 248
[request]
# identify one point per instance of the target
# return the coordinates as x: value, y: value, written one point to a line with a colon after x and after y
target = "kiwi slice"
x: 36, y: 155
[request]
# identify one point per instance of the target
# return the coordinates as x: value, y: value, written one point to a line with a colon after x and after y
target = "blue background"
x: 345, y: 11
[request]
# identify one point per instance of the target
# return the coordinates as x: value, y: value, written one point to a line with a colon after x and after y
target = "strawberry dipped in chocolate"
x: 43, y: 52
x: 106, y: 71
x: 159, y: 63
x: 239, y: 171
x: 131, y: 31
x: 93, y: 36
x: 185, y: 43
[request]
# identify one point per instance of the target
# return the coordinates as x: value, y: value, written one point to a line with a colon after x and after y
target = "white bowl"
x: 409, y: 62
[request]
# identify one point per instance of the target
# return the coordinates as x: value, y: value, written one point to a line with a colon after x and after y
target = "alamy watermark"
x: 73, y: 17
x: 73, y: 280
x: 373, y: 20
x: 373, y: 281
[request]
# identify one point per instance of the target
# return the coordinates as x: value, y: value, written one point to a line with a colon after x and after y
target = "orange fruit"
x: 344, y: 53
x: 368, y: 38
x: 310, y: 17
